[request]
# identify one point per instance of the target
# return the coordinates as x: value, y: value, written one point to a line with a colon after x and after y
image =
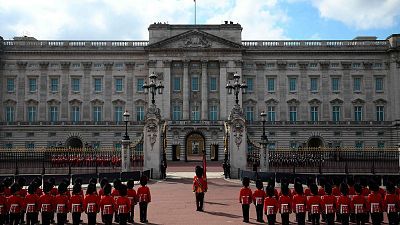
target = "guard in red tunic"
x: 61, y: 204
x: 22, y: 193
x: 7, y: 193
x: 123, y: 205
x: 3, y: 205
x: 285, y: 203
x: 199, y: 188
x: 15, y: 204
x: 375, y: 204
x: 144, y: 198
x: 329, y: 205
x: 299, y: 204
x: 107, y: 205
x: 75, y: 204
x: 359, y: 205
x: 115, y: 193
x: 91, y: 204
x: 258, y: 200
x: 314, y: 204
x: 32, y: 205
x: 271, y: 205
x: 131, y: 194
x: 245, y: 196
x: 46, y: 203
x: 391, y: 205
x: 344, y: 204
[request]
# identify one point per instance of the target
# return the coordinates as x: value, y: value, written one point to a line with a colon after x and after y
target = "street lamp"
x: 126, y: 120
x: 125, y: 152
x: 236, y: 87
x: 264, y: 141
x: 152, y: 87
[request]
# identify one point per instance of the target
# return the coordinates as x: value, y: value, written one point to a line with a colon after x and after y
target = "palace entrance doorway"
x: 74, y: 142
x: 195, y: 146
x: 315, y: 142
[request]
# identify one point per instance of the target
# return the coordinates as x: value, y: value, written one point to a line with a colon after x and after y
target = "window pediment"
x: 358, y: 101
x: 314, y: 101
x: 53, y: 101
x: 97, y: 101
x: 271, y: 101
x: 336, y: 101
x: 10, y: 102
x: 293, y: 101
x: 380, y: 101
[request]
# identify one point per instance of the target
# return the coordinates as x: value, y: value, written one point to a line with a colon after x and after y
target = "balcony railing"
x: 73, y: 44
x: 316, y: 43
x: 319, y: 123
x: 70, y: 123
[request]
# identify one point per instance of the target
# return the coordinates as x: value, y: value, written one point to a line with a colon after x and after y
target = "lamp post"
x: 152, y: 87
x: 125, y: 153
x: 264, y: 141
x: 236, y: 87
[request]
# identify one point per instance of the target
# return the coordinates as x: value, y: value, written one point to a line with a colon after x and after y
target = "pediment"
x: 195, y: 39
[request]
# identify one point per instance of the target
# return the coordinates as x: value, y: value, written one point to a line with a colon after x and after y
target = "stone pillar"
x: 237, y: 141
x: 86, y: 105
x: 166, y: 96
x: 20, y: 90
x: 204, y: 90
x: 152, y: 146
x: 222, y: 89
x: 108, y: 91
x: 186, y: 90
x: 43, y: 88
x: 125, y: 156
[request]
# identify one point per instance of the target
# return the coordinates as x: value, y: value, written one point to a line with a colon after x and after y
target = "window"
x: 377, y: 65
x: 117, y: 146
x: 359, y: 144
x: 98, y: 87
x: 54, y: 85
x: 271, y: 84
x: 119, y: 84
x: 313, y: 65
x: 356, y: 65
x: 314, y: 113
x: 10, y: 84
x: 250, y: 84
x: 76, y: 65
x: 271, y: 114
x: 119, y: 65
x: 292, y: 84
x: 52, y: 144
x: 32, y: 85
x: 177, y: 83
x: 356, y: 84
x: 357, y: 113
x: 97, y: 113
x: 53, y: 113
x: 96, y: 144
x: 98, y: 65
x: 8, y: 145
x: 30, y: 145
x: 250, y: 113
x: 139, y: 113
x: 380, y: 113
x: 176, y: 112
x: 292, y: 65
x: 139, y: 86
x: 195, y: 83
x: 195, y: 113
x: 76, y: 83
x: 335, y: 65
x: 118, y: 111
x: 293, y: 144
x: 31, y: 113
x: 213, y: 113
x: 75, y: 114
x: 271, y: 146
x: 335, y: 84
x: 293, y: 113
x: 213, y: 84
x: 381, y: 144
x: 270, y: 65
x: 10, y: 114
x: 335, y: 113
x: 379, y: 84
x: 314, y: 84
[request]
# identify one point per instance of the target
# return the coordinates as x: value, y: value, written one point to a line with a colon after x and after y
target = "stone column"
x: 166, y: 96
x: 237, y: 141
x: 125, y: 156
x: 108, y: 92
x: 186, y: 90
x: 64, y: 89
x: 43, y: 88
x: 86, y: 105
x: 222, y: 89
x: 20, y: 90
x: 204, y: 90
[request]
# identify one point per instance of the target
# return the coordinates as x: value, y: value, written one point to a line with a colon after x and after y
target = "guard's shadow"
x: 215, y: 203
x: 222, y: 214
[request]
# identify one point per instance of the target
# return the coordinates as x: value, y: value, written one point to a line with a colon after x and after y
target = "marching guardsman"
x: 271, y: 205
x: 75, y: 204
x: 199, y: 188
x: 329, y: 205
x: 32, y: 205
x: 61, y: 204
x: 391, y: 204
x: 107, y: 205
x: 53, y: 192
x: 123, y: 205
x: 131, y: 194
x: 299, y: 203
x: 103, y: 182
x: 38, y: 182
x: 46, y: 203
x: 7, y: 193
x: 344, y: 204
x: 351, y: 194
x: 314, y: 204
x: 3, y: 205
x: 15, y: 204
x: 144, y: 197
x: 375, y: 203
x: 259, y: 196
x: 22, y: 193
x: 285, y: 203
x: 91, y: 204
x: 245, y: 197
x: 359, y: 205
x: 115, y: 193
x: 307, y: 193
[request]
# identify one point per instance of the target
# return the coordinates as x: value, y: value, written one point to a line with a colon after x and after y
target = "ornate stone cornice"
x: 346, y: 65
x: 87, y: 65
x: 44, y: 65
x: 303, y: 65
x: 65, y: 65
x: 281, y: 65
x: 108, y: 65
x: 367, y: 65
x: 22, y: 65
x: 130, y: 65
x: 324, y: 65
x: 260, y: 65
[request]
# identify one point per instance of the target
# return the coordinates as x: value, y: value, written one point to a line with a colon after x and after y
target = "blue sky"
x: 260, y: 19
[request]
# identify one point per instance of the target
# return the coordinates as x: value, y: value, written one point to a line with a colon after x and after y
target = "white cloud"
x: 360, y: 14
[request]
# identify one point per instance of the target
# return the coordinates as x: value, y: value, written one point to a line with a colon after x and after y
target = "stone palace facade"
x: 315, y: 93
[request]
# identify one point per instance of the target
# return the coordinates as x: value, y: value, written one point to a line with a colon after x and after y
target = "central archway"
x: 74, y: 142
x: 195, y: 146
x: 315, y: 142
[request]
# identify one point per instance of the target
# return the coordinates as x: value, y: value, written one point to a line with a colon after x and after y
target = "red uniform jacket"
x: 123, y: 204
x: 3, y: 204
x: 391, y: 203
x: 107, y: 205
x: 46, y: 203
x: 76, y: 203
x: 344, y: 204
x: 307, y: 192
x: 259, y: 196
x: 365, y: 191
x: 336, y: 191
x: 245, y: 196
x: 375, y: 202
x: 32, y: 203
x: 321, y: 191
x: 271, y: 205
x: 22, y: 193
x: 131, y: 194
x: 91, y: 203
x: 143, y: 194
x: 54, y: 191
x: 351, y: 191
x: 299, y: 203
x: 199, y: 185
x: 285, y: 204
x: 39, y: 192
x: 115, y: 194
x: 101, y: 192
x: 328, y: 204
x: 358, y: 201
x: 61, y: 203
x: 7, y: 191
x: 314, y: 204
x: 15, y: 204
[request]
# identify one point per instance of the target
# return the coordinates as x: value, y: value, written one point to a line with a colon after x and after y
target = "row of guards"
x: 92, y: 160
